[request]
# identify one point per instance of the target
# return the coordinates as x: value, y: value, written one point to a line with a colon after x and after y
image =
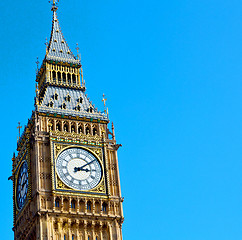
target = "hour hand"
x: 76, y: 169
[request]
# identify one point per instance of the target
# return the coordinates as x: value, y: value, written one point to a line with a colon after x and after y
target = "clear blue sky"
x: 171, y: 71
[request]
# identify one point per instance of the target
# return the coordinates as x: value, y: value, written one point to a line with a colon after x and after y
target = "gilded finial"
x: 77, y: 49
x: 37, y: 63
x: 37, y: 94
x: 54, y: 5
x: 82, y: 76
x: 19, y: 128
x: 46, y: 44
x: 104, y: 100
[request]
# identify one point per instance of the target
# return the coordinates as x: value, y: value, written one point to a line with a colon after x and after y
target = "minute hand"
x: 86, y: 164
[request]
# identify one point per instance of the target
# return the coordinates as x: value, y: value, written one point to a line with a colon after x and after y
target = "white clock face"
x: 78, y: 169
x: 22, y: 185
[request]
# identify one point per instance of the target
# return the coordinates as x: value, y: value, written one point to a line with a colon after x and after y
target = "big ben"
x: 66, y: 183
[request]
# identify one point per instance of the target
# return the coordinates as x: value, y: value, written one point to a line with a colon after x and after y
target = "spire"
x: 58, y: 50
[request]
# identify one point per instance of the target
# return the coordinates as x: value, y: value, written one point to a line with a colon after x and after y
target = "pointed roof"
x: 58, y: 50
x: 69, y: 102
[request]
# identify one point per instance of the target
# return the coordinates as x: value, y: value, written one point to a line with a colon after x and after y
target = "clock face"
x: 78, y: 169
x: 22, y: 185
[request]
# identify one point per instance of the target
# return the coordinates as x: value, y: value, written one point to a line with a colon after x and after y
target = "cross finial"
x: 19, y: 128
x: 104, y: 100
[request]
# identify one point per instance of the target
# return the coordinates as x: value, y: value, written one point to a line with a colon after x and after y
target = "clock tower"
x: 66, y: 183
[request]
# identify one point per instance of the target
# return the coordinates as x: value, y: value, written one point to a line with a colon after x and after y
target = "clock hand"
x: 81, y: 168
x: 23, y: 184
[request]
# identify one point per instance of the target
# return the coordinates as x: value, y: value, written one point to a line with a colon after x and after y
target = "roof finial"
x: 77, y: 49
x: 46, y: 44
x: 54, y: 5
x: 82, y: 76
x: 19, y: 128
x: 104, y: 100
x: 37, y: 62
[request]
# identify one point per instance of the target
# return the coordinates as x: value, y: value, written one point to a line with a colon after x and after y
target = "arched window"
x: 94, y: 131
x: 69, y: 78
x: 64, y: 78
x: 64, y: 105
x: 73, y: 204
x: 56, y: 96
x: 51, y: 104
x: 74, y: 79
x: 80, y: 100
x: 58, y: 127
x: 66, y: 129
x: 87, y: 130
x: 64, y: 237
x: 59, y: 77
x: 104, y: 207
x: 57, y: 203
x: 73, y: 129
x: 68, y: 98
x: 89, y: 206
x: 90, y: 109
x: 54, y: 76
x: 73, y: 237
x: 79, y: 129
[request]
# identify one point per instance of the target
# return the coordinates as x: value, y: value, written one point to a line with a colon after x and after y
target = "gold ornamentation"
x: 60, y: 184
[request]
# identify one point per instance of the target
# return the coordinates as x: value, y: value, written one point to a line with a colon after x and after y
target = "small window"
x: 73, y: 129
x: 58, y: 128
x: 51, y: 104
x: 66, y: 128
x: 53, y: 49
x: 69, y: 78
x: 57, y: 30
x: 57, y: 203
x: 64, y: 78
x: 79, y: 129
x: 61, y: 51
x: 78, y: 108
x: 89, y: 206
x: 87, y: 130
x: 80, y: 100
x: 64, y: 106
x: 74, y: 79
x: 56, y: 96
x: 55, y: 40
x: 94, y: 131
x: 68, y: 98
x: 90, y: 109
x: 73, y: 204
x: 104, y: 207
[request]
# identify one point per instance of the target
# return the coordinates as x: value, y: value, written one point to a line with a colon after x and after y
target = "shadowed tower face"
x: 65, y: 176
